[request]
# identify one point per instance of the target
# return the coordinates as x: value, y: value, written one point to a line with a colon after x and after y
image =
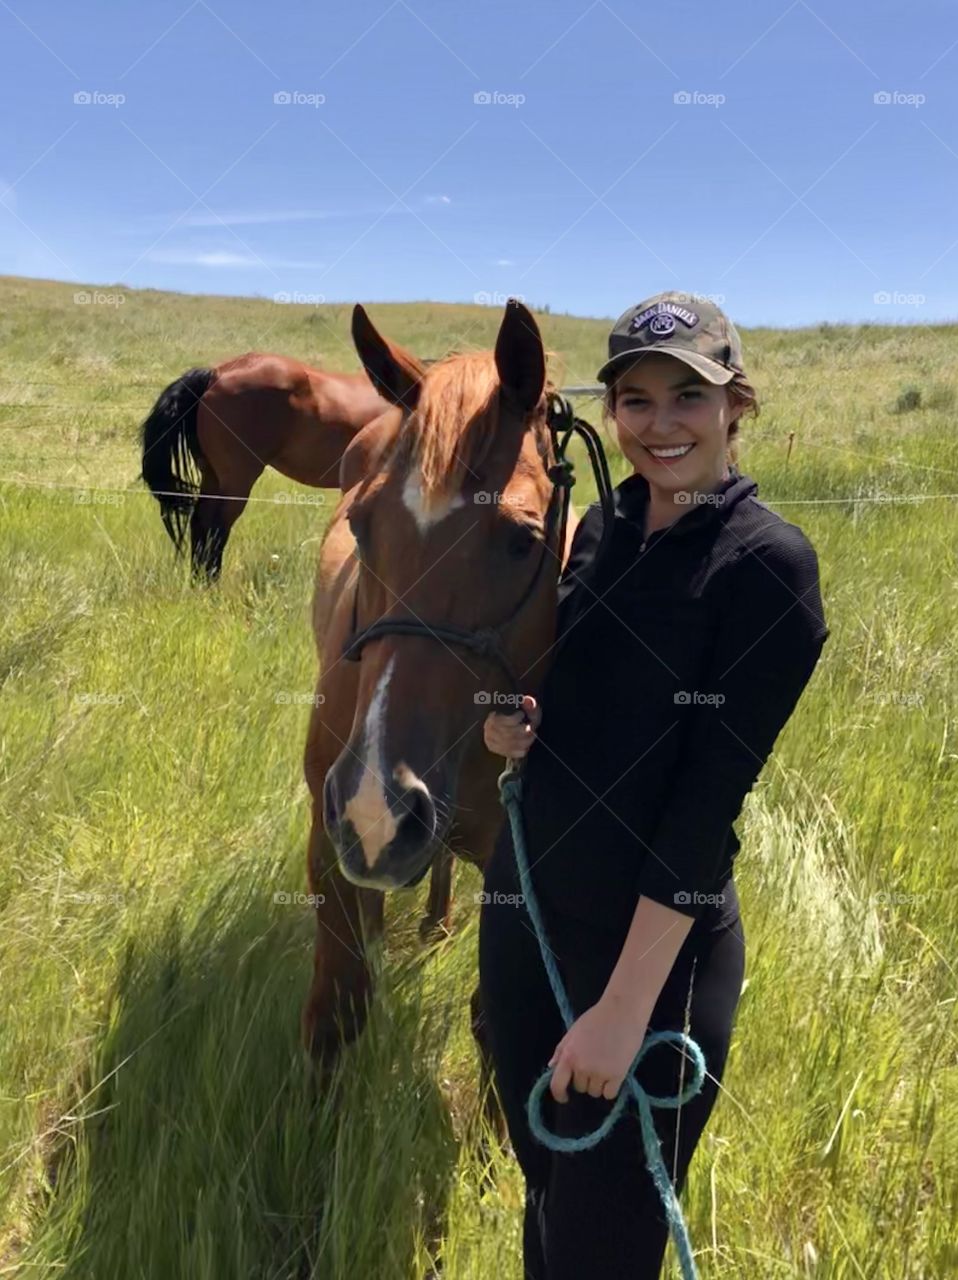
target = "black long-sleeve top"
x: 681, y: 658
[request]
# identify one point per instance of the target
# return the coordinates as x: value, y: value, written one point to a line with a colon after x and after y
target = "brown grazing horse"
x: 212, y: 433
x: 445, y: 524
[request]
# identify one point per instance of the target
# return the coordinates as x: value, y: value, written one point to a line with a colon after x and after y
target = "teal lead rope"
x: 510, y: 790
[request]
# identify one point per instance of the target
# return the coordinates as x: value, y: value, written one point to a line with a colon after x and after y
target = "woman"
x: 680, y: 656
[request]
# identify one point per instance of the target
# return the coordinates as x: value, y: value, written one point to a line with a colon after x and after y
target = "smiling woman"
x: 643, y: 383
x: 707, y: 615
x: 677, y: 424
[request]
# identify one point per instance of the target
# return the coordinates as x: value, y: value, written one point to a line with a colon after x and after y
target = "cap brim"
x: 710, y: 370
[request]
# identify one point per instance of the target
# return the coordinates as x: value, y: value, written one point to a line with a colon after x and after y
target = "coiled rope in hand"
x: 510, y: 791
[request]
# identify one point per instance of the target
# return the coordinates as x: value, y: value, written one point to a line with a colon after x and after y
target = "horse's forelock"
x: 455, y: 420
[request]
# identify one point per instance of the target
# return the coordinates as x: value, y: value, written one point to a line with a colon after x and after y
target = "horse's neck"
x: 367, y: 403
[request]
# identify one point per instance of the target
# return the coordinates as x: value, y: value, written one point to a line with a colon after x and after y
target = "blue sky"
x: 775, y: 183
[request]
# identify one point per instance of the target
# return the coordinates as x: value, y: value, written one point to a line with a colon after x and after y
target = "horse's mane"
x: 455, y: 419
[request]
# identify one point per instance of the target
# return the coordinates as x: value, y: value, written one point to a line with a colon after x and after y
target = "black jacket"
x: 680, y: 659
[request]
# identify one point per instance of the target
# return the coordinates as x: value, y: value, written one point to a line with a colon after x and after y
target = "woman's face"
x: 672, y: 424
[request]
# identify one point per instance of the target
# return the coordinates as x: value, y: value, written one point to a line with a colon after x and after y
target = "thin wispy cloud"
x: 256, y: 218
x: 225, y: 258
x: 269, y: 217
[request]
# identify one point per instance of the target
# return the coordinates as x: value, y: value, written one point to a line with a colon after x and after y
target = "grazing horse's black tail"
x: 171, y: 451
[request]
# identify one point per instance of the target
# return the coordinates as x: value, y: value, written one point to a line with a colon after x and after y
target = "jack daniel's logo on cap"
x: 661, y: 318
x: 689, y: 327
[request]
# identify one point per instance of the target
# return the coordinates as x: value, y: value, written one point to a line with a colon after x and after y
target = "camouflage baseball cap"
x: 685, y: 325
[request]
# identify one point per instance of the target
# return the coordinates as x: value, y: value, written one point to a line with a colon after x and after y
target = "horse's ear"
x: 393, y: 371
x: 520, y: 358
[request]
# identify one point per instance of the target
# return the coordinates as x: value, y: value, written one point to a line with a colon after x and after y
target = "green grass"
x: 156, y: 1117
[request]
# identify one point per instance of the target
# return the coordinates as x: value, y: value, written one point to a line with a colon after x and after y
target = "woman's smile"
x: 668, y: 453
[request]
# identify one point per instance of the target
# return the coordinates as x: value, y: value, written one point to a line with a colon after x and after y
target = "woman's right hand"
x: 506, y: 734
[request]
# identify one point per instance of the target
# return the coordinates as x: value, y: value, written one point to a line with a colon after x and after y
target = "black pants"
x: 597, y: 1212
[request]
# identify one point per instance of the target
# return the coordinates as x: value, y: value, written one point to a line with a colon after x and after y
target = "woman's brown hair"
x: 740, y: 391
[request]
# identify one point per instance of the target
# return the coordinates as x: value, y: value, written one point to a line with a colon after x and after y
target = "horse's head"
x: 455, y: 528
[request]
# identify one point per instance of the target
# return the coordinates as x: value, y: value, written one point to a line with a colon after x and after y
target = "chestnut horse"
x: 212, y: 433
x: 446, y: 525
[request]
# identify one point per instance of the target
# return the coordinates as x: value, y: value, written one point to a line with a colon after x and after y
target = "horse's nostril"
x: 419, y: 808
x: 330, y: 810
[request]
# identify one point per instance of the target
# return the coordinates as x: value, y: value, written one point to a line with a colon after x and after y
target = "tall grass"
x: 156, y: 1116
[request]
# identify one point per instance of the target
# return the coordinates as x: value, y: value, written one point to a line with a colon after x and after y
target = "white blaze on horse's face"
x: 425, y: 517
x: 368, y: 810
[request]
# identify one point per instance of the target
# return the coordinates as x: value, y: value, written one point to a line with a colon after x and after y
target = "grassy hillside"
x: 156, y: 1118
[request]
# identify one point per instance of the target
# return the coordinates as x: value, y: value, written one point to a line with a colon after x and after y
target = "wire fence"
x: 303, y: 499
x: 583, y: 390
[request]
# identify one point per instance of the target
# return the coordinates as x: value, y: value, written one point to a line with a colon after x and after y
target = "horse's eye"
x: 521, y: 542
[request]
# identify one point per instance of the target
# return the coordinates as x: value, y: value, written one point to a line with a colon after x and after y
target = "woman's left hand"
x: 597, y: 1051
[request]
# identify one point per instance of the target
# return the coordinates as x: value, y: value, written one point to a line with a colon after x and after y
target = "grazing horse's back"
x: 291, y: 417
x: 212, y: 433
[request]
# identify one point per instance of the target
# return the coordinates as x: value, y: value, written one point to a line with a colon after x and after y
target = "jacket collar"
x: 631, y: 497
